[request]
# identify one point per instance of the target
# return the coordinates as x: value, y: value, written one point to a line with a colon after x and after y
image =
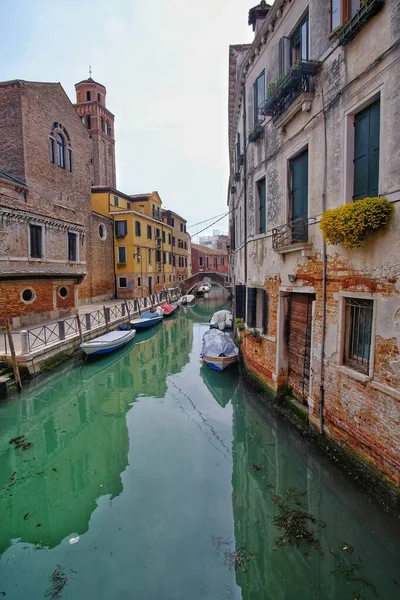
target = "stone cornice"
x: 21, y: 215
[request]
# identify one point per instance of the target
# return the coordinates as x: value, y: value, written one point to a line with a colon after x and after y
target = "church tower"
x: 99, y: 121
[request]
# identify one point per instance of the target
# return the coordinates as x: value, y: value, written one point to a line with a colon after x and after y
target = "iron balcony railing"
x: 295, y: 232
x: 300, y: 79
x: 367, y: 10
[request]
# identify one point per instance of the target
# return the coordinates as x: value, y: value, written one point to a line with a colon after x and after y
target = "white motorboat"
x: 186, y: 299
x: 222, y: 319
x: 218, y: 351
x: 108, y: 342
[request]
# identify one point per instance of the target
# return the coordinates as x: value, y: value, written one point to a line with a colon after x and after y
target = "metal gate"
x: 299, y: 344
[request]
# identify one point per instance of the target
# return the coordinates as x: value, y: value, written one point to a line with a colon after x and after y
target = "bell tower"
x: 99, y: 121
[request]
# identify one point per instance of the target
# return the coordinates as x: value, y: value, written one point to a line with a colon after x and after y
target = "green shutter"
x: 262, y: 205
x: 251, y: 307
x: 265, y: 312
x: 240, y: 295
x: 366, y: 151
x: 299, y: 196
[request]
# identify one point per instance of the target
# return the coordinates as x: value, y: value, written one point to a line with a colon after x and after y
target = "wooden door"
x: 299, y: 344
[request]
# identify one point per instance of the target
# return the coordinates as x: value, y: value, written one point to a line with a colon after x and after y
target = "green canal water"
x: 151, y: 477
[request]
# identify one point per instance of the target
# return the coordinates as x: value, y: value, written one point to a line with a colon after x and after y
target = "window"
x: 138, y: 229
x: 342, y: 11
x: 72, y: 246
x: 98, y: 98
x: 358, y: 334
x: 170, y: 258
x: 139, y: 282
x: 215, y: 262
x: 138, y: 254
x: 28, y: 296
x: 121, y: 228
x: 164, y: 258
x: 128, y: 206
x: 258, y: 97
x: 237, y: 153
x: 185, y: 244
x: 366, y: 151
x: 170, y: 278
x: 122, y: 282
x: 172, y: 221
x: 181, y: 226
x: 201, y: 262
x: 158, y: 256
x: 299, y: 42
x: 222, y: 261
x: 88, y: 121
x: 36, y: 241
x: 102, y: 232
x: 261, y: 196
x: 240, y: 300
x: 207, y: 262
x: 87, y: 96
x: 299, y: 197
x: 149, y: 230
x: 149, y: 256
x: 116, y: 201
x: 185, y: 262
x: 173, y: 240
x: 121, y: 255
x: 169, y: 239
x: 163, y: 236
x: 51, y: 149
x: 60, y: 151
x: 157, y: 233
x: 69, y: 159
x: 63, y: 292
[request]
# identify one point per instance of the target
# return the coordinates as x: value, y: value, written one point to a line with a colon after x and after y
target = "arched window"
x: 102, y: 123
x: 88, y: 122
x: 60, y: 151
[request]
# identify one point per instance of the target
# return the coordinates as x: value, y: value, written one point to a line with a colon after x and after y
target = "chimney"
x: 258, y: 14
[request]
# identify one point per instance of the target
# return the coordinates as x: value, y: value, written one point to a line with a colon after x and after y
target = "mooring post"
x: 61, y: 330
x: 107, y: 317
x: 13, y: 356
x: 78, y: 323
x: 128, y: 312
x: 24, y: 342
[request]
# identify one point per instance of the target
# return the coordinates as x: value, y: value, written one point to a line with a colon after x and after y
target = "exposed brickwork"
x: 11, y: 147
x: 205, y: 253
x: 99, y: 282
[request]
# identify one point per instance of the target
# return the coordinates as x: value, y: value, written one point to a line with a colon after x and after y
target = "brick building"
x: 206, y: 259
x: 307, y: 134
x: 48, y: 233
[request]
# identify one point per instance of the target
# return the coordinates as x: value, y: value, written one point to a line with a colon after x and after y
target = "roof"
x: 208, y: 250
x: 12, y: 178
x: 167, y: 211
x: 33, y: 210
x: 90, y: 80
x: 25, y: 82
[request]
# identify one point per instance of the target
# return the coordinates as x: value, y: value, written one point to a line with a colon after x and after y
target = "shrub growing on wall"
x: 349, y: 223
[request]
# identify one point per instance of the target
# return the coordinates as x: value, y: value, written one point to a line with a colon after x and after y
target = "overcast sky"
x: 165, y: 66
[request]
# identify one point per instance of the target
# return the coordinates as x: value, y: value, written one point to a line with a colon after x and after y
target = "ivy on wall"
x: 350, y: 223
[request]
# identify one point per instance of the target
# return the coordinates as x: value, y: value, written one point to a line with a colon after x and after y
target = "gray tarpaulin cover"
x: 218, y: 343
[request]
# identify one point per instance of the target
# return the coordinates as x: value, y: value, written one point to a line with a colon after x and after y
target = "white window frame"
x: 43, y: 257
x: 76, y: 234
x: 341, y: 341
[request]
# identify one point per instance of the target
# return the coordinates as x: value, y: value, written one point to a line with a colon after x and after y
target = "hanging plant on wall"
x: 350, y: 223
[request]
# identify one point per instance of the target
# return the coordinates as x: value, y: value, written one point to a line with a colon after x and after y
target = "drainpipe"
x: 113, y: 237
x: 321, y: 377
x: 245, y: 193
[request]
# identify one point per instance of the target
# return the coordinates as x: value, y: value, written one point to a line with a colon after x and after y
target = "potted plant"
x: 239, y: 323
x: 256, y: 335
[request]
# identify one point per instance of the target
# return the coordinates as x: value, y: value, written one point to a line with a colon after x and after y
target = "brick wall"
x: 99, y: 282
x: 11, y: 146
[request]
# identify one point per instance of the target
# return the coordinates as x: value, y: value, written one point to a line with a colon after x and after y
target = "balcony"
x: 298, y: 84
x: 291, y: 237
x: 367, y: 10
x: 256, y: 133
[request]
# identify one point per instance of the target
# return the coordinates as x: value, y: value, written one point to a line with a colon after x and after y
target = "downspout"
x: 321, y: 377
x: 113, y: 226
x: 245, y: 193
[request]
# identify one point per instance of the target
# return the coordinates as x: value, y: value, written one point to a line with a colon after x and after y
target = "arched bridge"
x: 218, y: 279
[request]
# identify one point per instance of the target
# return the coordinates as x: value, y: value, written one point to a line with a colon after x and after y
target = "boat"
x: 207, y: 287
x: 187, y: 299
x: 218, y: 350
x: 108, y: 342
x: 147, y: 319
x: 222, y: 319
x: 169, y: 309
x: 200, y: 290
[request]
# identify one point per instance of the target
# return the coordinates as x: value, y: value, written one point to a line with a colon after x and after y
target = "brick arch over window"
x: 60, y: 148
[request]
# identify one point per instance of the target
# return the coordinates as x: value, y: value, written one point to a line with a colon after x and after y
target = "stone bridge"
x: 218, y: 279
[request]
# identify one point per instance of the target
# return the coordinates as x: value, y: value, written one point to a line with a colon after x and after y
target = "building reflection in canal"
x: 268, y: 460
x: 76, y: 423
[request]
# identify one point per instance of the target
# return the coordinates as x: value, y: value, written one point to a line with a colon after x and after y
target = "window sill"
x: 303, y: 247
x: 386, y: 390
x: 354, y: 374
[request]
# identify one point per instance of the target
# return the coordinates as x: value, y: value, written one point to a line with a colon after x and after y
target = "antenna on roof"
x: 90, y: 71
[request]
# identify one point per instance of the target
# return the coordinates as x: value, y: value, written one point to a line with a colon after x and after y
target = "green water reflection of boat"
x: 221, y: 385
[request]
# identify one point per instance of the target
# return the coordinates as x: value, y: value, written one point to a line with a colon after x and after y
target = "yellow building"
x: 180, y: 244
x: 142, y: 241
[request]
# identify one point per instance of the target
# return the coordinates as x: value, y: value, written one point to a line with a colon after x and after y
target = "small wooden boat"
x: 186, y: 299
x: 147, y: 319
x: 207, y: 287
x: 169, y: 309
x: 108, y: 342
x: 218, y: 350
x: 200, y: 290
x: 222, y: 319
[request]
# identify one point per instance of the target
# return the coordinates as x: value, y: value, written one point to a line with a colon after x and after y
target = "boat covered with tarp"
x: 218, y: 350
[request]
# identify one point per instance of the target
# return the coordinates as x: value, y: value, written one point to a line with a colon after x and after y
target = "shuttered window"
x: 258, y: 97
x: 366, y: 151
x: 138, y: 229
x: 265, y: 315
x: 251, y: 318
x: 240, y: 297
x: 121, y: 254
x: 121, y: 228
x: 261, y: 193
x: 72, y: 246
x: 149, y: 229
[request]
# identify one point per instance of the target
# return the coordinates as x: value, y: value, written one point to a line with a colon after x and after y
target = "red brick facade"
x: 206, y: 259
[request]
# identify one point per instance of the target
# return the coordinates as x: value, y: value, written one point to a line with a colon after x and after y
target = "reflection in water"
x: 360, y: 547
x: 222, y: 384
x: 77, y: 424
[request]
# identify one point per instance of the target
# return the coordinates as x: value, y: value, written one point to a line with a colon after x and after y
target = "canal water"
x: 145, y: 475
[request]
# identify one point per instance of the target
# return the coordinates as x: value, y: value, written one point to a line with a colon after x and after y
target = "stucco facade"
x: 293, y: 156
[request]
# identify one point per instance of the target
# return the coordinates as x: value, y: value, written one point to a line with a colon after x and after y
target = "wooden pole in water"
x: 13, y: 356
x: 78, y: 322
x: 106, y: 318
x: 127, y: 310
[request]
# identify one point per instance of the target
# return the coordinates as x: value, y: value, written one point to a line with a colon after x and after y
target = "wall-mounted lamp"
x: 292, y: 278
